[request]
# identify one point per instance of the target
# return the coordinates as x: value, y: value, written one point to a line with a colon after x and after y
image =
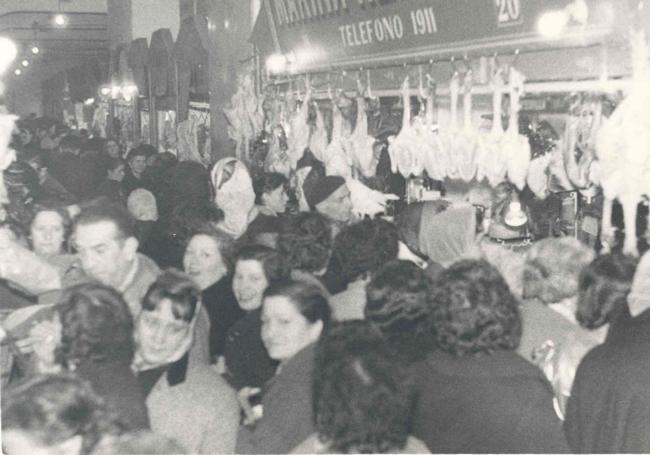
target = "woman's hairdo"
x: 603, y: 288
x: 552, y: 268
x: 274, y: 265
x: 365, y: 246
x: 96, y: 325
x: 179, y: 288
x: 473, y: 310
x: 306, y: 241
x: 308, y: 299
x: 398, y: 304
x: 361, y: 400
x: 54, y: 408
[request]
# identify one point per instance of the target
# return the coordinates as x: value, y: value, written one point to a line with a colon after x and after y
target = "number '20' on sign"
x: 508, y: 12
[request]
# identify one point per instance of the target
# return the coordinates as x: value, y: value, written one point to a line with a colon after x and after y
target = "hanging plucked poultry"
x: 336, y: 160
x: 403, y: 149
x: 449, y: 137
x: 491, y: 160
x: 467, y: 143
x: 318, y: 140
x: 435, y: 159
x: 623, y: 147
x: 359, y: 146
x: 300, y: 131
x: 516, y: 147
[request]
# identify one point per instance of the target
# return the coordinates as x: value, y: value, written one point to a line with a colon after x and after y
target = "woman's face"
x: 249, y: 283
x: 112, y: 149
x: 202, y: 261
x: 276, y: 199
x: 48, y: 233
x: 284, y: 330
x: 138, y: 164
x: 160, y: 334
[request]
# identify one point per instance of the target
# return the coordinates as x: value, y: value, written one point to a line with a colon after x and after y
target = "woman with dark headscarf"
x: 475, y: 393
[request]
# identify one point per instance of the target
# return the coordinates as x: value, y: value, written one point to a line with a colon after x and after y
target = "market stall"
x: 432, y: 77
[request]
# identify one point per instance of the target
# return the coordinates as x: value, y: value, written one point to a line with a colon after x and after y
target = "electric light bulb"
x: 25, y: 63
x: 35, y: 50
x: 552, y: 23
x: 18, y: 72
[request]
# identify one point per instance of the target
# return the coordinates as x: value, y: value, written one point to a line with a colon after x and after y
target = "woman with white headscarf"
x: 234, y: 195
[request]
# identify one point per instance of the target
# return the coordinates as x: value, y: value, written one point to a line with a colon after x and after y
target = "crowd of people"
x: 156, y: 306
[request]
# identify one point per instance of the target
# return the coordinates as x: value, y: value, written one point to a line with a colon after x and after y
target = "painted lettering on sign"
x: 388, y: 28
x: 508, y: 12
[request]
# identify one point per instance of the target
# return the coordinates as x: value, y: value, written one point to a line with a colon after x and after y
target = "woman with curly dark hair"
x: 360, y: 249
x: 54, y: 414
x: 475, y: 393
x: 362, y: 401
x: 306, y: 244
x: 398, y: 305
x: 92, y: 334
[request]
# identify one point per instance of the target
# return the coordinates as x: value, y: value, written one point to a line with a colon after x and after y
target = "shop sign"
x: 318, y: 32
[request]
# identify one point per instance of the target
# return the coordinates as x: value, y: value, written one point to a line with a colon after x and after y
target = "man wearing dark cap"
x: 330, y: 196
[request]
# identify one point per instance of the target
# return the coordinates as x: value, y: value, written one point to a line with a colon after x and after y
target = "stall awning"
x: 318, y: 34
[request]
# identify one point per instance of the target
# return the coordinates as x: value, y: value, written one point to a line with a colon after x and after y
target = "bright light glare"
x: 552, y: 24
x: 18, y: 72
x: 60, y: 20
x: 105, y: 91
x: 35, y: 50
x: 8, y: 52
x: 89, y: 101
x: 25, y: 63
x: 579, y: 11
x: 129, y: 90
x: 115, y: 91
x: 276, y: 63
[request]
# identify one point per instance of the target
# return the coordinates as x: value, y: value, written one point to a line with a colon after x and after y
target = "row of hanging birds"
x: 615, y: 153
x: 455, y: 152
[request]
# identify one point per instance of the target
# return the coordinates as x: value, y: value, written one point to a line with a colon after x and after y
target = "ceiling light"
x: 105, y: 91
x: 552, y: 23
x: 18, y: 72
x: 35, y: 50
x: 276, y: 63
x: 60, y: 20
x: 25, y: 63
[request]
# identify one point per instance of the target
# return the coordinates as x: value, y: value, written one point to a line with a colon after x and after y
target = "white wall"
x: 85, y: 6
x: 147, y: 16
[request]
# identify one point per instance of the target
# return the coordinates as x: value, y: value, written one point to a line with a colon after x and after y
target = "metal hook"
x: 453, y: 65
x: 514, y: 61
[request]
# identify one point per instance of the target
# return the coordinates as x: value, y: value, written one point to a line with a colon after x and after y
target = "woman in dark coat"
x: 205, y: 262
x: 609, y: 407
x: 475, y: 393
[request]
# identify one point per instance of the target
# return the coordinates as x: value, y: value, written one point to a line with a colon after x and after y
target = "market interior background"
x: 196, y: 76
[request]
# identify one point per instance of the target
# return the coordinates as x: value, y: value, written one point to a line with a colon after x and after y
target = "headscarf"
x: 448, y: 236
x: 638, y: 299
x: 141, y: 204
x: 234, y: 195
x: 140, y: 364
x: 409, y: 220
